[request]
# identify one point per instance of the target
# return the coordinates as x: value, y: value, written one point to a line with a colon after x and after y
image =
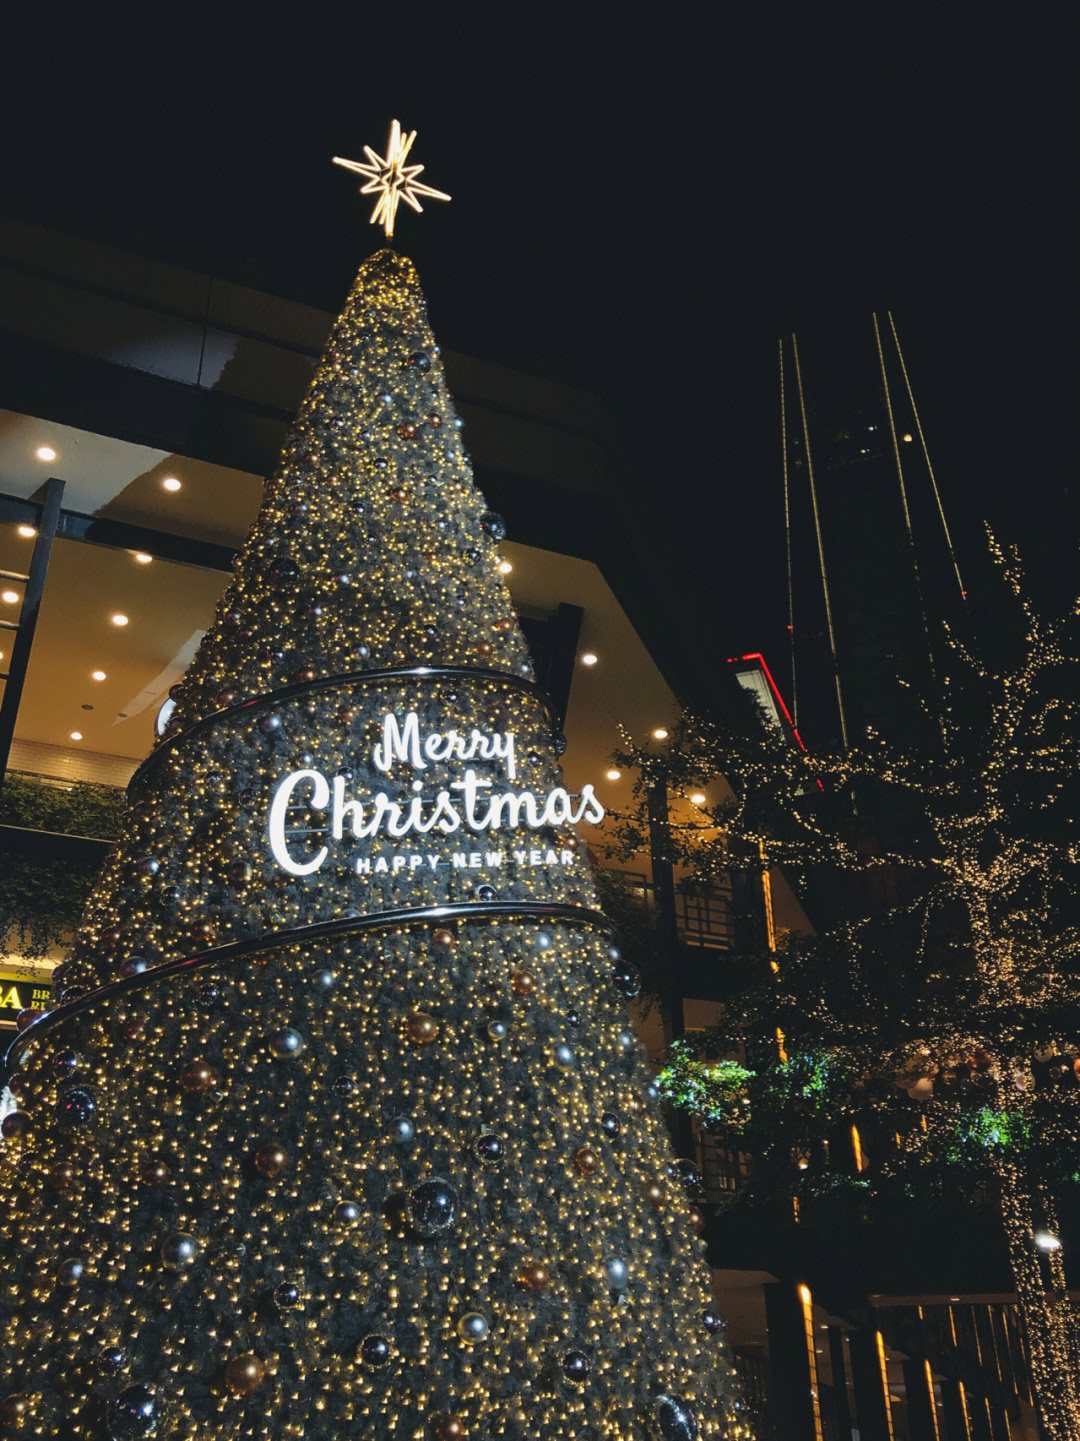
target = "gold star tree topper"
x: 391, y: 179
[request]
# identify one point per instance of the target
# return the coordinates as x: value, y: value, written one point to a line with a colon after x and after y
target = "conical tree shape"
x: 338, y: 1130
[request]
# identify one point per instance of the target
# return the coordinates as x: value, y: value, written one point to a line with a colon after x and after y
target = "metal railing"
x: 703, y: 913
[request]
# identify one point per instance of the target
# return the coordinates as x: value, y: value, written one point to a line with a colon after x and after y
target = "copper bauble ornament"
x: 15, y: 1411
x: 655, y: 1194
x: 271, y: 1160
x: 196, y: 1077
x: 421, y: 1028
x: 244, y: 1374
x: 696, y: 1217
x: 154, y: 1173
x: 61, y: 1177
x: 535, y: 1277
x: 446, y: 1427
x: 434, y: 420
x: 407, y: 429
x: 523, y: 983
x: 634, y: 1103
x: 443, y: 940
x: 587, y: 1161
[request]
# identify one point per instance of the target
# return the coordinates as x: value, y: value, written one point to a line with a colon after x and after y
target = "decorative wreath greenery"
x: 41, y: 894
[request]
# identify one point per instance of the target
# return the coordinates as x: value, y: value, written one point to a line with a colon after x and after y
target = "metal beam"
x: 48, y: 515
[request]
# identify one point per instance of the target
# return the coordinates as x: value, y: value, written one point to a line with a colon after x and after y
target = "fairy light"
x: 947, y: 1063
x: 240, y: 1196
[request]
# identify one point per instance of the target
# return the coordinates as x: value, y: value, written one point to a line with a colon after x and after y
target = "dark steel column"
x: 23, y: 636
x: 871, y: 1397
x: 923, y: 1419
x: 840, y: 1400
x: 794, y: 1381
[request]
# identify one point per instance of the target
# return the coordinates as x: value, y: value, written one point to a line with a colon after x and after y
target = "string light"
x: 412, y: 1181
x: 959, y: 1065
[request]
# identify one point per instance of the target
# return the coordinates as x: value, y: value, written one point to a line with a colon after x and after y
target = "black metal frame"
x: 48, y: 514
x: 354, y: 678
x: 322, y: 931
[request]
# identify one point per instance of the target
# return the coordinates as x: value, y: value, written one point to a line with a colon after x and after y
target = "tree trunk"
x: 1048, y: 1318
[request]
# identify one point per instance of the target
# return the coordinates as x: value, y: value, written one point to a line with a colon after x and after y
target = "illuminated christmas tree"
x: 338, y: 1129
x: 927, y: 1041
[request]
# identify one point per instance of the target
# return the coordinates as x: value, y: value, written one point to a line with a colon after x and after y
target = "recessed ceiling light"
x: 97, y: 675
x: 45, y: 452
x: 9, y: 597
x: 170, y: 483
x: 613, y: 775
x: 660, y: 734
x: 26, y: 531
x: 589, y: 658
x: 505, y: 567
x: 76, y: 735
x: 119, y: 618
x: 141, y: 557
x: 698, y: 798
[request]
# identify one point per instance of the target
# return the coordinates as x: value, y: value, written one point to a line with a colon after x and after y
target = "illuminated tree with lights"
x: 338, y: 1129
x: 940, y: 1016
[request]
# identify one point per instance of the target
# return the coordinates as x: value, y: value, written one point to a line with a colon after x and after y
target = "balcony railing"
x: 703, y: 914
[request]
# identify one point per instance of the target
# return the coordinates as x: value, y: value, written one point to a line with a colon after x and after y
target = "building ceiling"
x: 169, y: 605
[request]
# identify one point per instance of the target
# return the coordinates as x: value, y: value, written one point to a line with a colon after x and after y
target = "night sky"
x: 640, y: 208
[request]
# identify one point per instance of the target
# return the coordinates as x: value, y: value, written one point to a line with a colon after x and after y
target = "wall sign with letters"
x: 469, y: 804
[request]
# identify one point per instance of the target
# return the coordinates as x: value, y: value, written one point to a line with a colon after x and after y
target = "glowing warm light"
x: 613, y: 775
x: 698, y: 798
x: 45, y: 452
x: 119, y: 618
x: 589, y: 658
x: 906, y: 437
x: 9, y: 597
x: 804, y: 1295
x: 660, y: 734
x: 141, y: 557
x: 76, y: 735
x: 391, y: 179
x: 97, y: 675
x: 26, y: 531
x: 505, y: 567
x: 1046, y: 1242
x: 170, y: 483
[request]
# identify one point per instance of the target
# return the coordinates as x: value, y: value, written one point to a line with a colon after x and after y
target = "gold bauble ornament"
x: 421, y: 1028
x: 244, y: 1374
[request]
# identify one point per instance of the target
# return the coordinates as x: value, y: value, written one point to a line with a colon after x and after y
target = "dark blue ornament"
x: 287, y: 1296
x: 687, y: 1173
x: 575, y: 1367
x: 488, y: 1149
x: 65, y: 1064
x: 558, y: 744
x: 626, y: 979
x: 109, y: 1362
x: 75, y: 1108
x: 493, y: 525
x: 609, y: 1124
x: 712, y: 1322
x: 573, y: 1018
x: 375, y: 1352
x: 135, y: 1413
x: 674, y: 1420
x: 432, y: 1207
